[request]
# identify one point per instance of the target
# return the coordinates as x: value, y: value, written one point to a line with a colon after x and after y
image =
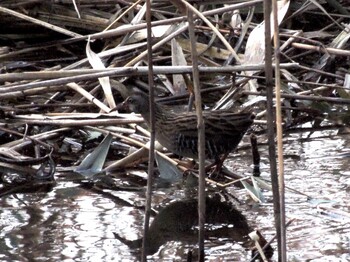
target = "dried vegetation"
x: 64, y: 68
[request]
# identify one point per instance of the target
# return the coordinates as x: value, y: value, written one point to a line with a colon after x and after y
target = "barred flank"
x: 224, y: 129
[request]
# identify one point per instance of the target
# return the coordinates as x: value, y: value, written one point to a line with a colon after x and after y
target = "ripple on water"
x: 75, y: 224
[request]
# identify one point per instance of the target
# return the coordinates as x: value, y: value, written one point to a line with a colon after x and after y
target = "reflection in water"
x: 71, y: 223
x: 68, y: 223
x: 179, y: 221
x: 319, y: 181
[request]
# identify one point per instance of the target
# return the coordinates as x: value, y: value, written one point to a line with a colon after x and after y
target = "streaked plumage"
x: 178, y: 131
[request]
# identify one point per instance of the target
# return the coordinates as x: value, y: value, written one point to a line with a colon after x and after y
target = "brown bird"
x: 178, y: 132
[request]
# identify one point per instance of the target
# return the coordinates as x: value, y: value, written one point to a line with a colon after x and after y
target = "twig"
x: 334, y: 100
x: 201, y: 138
x: 326, y: 50
x: 75, y: 75
x: 38, y: 22
x: 270, y: 121
x: 152, y: 131
x: 276, y: 39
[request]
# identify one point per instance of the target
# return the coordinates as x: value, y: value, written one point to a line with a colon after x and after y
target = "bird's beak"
x: 121, y: 106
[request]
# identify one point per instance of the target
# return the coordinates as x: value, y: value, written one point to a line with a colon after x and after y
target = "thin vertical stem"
x: 201, y: 138
x: 271, y: 123
x: 152, y: 131
x: 279, y: 132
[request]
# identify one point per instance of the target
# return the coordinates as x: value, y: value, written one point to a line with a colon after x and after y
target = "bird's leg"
x: 218, y: 165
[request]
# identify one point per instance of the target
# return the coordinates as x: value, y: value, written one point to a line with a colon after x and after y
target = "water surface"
x: 74, y: 223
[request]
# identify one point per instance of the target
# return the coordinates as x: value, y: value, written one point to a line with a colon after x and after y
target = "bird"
x: 177, y: 131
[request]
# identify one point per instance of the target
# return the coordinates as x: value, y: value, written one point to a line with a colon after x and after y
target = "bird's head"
x: 137, y: 102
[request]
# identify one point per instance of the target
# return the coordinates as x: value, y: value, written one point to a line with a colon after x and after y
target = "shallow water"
x: 319, y: 204
x: 73, y: 223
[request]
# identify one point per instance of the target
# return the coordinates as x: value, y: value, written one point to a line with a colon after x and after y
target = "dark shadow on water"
x: 179, y: 220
